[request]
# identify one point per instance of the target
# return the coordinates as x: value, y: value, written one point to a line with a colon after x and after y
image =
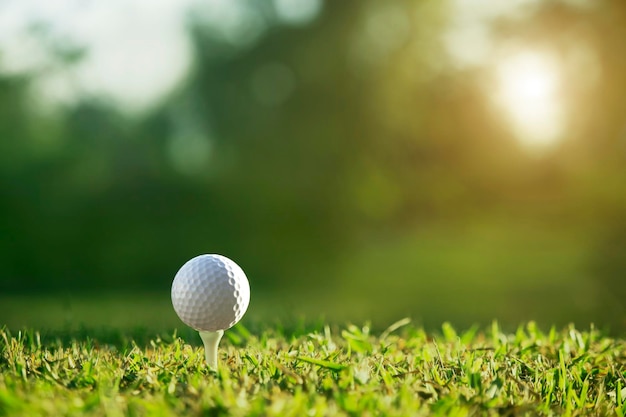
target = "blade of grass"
x: 322, y: 363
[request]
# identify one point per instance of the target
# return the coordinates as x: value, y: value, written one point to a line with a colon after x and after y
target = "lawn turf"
x: 349, y: 371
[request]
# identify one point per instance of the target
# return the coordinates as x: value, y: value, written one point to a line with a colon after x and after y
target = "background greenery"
x: 352, y: 169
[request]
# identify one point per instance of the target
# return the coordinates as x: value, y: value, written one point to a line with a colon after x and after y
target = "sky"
x: 136, y: 51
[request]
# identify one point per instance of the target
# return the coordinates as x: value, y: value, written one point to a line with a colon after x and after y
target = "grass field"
x: 349, y: 371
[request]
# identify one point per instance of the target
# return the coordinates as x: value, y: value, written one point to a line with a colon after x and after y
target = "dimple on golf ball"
x: 210, y: 293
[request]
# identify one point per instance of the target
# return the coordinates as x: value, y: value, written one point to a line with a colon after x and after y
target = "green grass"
x: 347, y: 371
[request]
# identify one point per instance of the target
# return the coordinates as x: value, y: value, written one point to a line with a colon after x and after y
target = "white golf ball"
x: 210, y: 293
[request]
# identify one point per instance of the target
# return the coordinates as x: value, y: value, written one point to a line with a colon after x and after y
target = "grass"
x: 329, y: 371
x: 513, y: 268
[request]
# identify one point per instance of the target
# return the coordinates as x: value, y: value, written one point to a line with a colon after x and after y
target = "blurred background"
x: 450, y: 160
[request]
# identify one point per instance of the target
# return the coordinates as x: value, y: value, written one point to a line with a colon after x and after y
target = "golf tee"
x: 211, y: 340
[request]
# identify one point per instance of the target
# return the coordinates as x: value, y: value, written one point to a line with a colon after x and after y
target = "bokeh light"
x: 527, y: 89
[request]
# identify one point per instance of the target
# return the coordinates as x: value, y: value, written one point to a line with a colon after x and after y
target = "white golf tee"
x: 211, y: 340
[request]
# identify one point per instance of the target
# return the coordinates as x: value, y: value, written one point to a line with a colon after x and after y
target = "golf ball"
x: 210, y: 293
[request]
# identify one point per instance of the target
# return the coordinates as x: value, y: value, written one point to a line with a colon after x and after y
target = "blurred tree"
x: 290, y: 147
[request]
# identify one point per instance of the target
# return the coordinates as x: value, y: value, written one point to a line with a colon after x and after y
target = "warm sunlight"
x: 527, y: 91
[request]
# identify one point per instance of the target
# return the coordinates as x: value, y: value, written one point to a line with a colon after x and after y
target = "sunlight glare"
x: 527, y: 91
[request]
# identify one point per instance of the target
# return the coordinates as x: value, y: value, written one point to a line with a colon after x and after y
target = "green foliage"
x: 403, y: 371
x: 378, y: 159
